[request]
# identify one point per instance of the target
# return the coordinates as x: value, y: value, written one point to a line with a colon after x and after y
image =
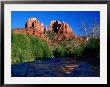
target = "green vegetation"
x: 28, y: 48
x: 92, y: 48
x: 89, y: 49
x: 59, y: 52
x: 51, y: 34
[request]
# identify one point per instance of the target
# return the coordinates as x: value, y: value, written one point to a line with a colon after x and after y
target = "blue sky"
x: 73, y: 18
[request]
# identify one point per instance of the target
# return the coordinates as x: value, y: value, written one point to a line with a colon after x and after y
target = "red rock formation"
x: 51, y: 25
x: 62, y: 30
x: 34, y: 23
x: 30, y: 22
x: 31, y: 31
x: 60, y: 27
x: 32, y: 27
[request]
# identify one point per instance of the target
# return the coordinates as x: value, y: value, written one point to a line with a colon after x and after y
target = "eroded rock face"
x: 60, y: 27
x: 31, y: 31
x: 34, y: 23
x: 33, y: 27
x: 29, y: 23
x: 61, y: 30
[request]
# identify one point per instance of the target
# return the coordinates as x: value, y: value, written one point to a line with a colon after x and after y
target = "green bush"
x: 51, y: 34
x: 59, y: 52
x: 26, y: 48
x: 92, y: 48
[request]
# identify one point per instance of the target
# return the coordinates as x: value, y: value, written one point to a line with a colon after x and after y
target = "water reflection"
x: 57, y: 67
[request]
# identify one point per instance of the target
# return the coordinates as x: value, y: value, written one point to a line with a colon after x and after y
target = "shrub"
x: 92, y: 48
x: 26, y: 48
x: 59, y: 52
x: 51, y: 34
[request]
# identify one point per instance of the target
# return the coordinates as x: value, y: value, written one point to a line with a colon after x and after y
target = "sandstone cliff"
x: 61, y: 30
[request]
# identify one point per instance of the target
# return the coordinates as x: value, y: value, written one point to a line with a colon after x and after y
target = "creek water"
x: 55, y: 67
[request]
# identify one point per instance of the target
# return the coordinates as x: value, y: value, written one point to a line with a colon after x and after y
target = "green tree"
x: 26, y: 48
